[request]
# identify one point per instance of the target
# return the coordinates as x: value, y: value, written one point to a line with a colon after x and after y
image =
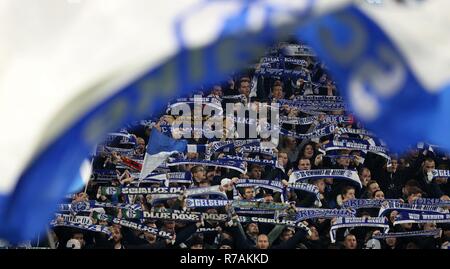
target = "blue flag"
x: 159, y: 148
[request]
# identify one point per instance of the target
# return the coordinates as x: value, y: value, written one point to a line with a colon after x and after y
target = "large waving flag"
x: 159, y: 148
x: 74, y: 70
x: 392, y: 64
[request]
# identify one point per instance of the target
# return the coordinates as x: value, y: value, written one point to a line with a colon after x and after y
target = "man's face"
x: 244, y: 88
x: 391, y: 241
x: 262, y: 242
x: 414, y: 196
x: 170, y: 226
x: 304, y: 164
x: 277, y: 92
x: 253, y: 229
x: 116, y: 235
x: 200, y: 175
x: 373, y: 187
x: 429, y: 226
x: 379, y: 195
x: 80, y: 238
x: 428, y: 166
x: 314, y: 233
x: 345, y: 162
x: 394, y: 166
x: 287, y: 235
x: 350, y: 242
x: 282, y: 159
x: 393, y: 216
x: 320, y: 185
x: 309, y: 151
x: 249, y: 193
x: 256, y: 173
x: 350, y: 195
x: 291, y: 142
x: 365, y: 177
x: 217, y: 91
x: 210, y: 175
x: 268, y: 198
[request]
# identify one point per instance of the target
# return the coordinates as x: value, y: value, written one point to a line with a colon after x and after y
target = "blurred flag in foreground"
x: 71, y: 71
x: 159, y: 148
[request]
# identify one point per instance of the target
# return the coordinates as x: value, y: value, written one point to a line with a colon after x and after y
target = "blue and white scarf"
x: 295, y: 61
x: 328, y: 119
x: 313, y: 105
x: 433, y: 174
x: 166, y: 178
x: 249, y: 160
x: 342, y: 130
x: 259, y: 205
x: 197, y: 99
x: 306, y: 187
x: 410, y: 216
x: 298, y: 121
x: 87, y: 206
x: 132, y: 225
x: 365, y: 203
x: 255, y: 212
x: 75, y: 219
x: 184, y: 216
x: 350, y: 222
x: 193, y: 203
x: 337, y: 156
x: 274, y: 221
x: 242, y: 120
x: 321, y: 213
x: 104, y: 174
x: 328, y: 130
x: 434, y: 202
x: 388, y: 206
x: 318, y: 98
x: 92, y: 228
x: 207, y: 230
x: 257, y: 150
x: 239, y: 166
x: 212, y: 190
x: 191, y: 192
x: 140, y: 190
x: 301, y: 175
x: 336, y: 119
x: 186, y: 131
x: 274, y: 185
x: 430, y: 233
x: 220, y: 146
x: 283, y: 73
x: 356, y: 144
x: 75, y: 208
x: 236, y: 96
x: 207, y: 101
